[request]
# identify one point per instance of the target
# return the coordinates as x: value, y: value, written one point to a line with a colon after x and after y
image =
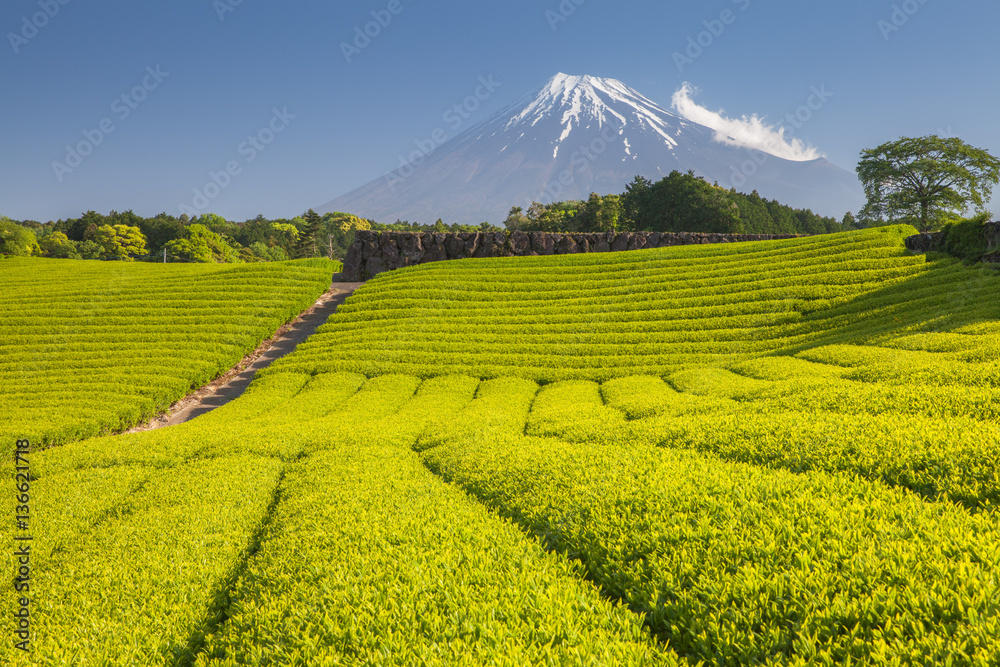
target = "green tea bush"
x: 91, y: 347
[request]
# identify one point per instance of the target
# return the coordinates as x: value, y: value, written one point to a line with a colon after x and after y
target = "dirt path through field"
x: 232, y: 385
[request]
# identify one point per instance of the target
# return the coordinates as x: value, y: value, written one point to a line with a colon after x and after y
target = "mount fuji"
x: 574, y: 136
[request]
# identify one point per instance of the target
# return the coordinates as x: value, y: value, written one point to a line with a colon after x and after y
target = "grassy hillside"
x: 91, y: 346
x: 776, y: 454
x: 602, y: 316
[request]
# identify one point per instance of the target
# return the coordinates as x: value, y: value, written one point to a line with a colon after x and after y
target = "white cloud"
x: 750, y: 132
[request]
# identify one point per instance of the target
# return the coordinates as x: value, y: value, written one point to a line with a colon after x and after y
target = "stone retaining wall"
x: 928, y: 242
x: 376, y: 252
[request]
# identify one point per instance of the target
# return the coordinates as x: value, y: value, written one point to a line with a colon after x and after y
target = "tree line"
x: 681, y: 202
x: 205, y: 238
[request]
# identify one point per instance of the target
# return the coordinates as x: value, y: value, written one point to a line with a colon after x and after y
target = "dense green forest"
x: 677, y: 203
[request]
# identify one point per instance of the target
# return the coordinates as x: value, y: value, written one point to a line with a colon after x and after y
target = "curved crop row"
x: 735, y: 564
x: 651, y: 311
x: 297, y: 526
x: 127, y: 340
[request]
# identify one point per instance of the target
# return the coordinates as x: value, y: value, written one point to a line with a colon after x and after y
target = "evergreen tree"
x: 306, y: 247
x: 636, y: 205
x: 754, y: 213
x: 599, y: 214
x: 783, y: 216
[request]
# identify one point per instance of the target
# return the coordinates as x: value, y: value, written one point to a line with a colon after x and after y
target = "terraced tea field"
x: 87, y: 347
x: 654, y: 312
x: 779, y: 453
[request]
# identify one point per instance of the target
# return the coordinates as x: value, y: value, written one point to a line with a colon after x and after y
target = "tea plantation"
x: 88, y: 347
x: 777, y: 453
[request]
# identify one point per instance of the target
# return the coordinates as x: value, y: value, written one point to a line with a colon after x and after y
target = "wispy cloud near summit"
x: 751, y: 132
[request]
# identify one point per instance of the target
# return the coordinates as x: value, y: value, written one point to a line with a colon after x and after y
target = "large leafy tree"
x: 555, y: 217
x: 339, y: 230
x: 58, y: 245
x: 215, y: 223
x: 202, y: 245
x: 285, y: 235
x: 16, y: 240
x: 120, y: 242
x: 687, y: 203
x: 926, y: 180
x: 346, y: 223
x: 516, y: 219
x: 754, y: 213
x: 679, y: 203
x: 162, y: 229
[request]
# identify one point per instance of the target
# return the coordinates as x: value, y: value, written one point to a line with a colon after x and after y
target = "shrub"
x: 966, y: 239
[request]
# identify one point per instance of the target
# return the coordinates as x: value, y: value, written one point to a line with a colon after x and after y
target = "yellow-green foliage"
x: 133, y: 584
x: 717, y: 382
x: 574, y: 409
x: 501, y: 407
x: 647, y: 396
x: 942, y: 442
x: 735, y: 564
x: 372, y: 560
x: 653, y: 312
x: 785, y: 368
x: 339, y: 547
x: 776, y: 454
x: 90, y: 347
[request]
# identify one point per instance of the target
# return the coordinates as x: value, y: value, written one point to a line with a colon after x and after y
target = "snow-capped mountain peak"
x: 576, y: 135
x: 588, y: 102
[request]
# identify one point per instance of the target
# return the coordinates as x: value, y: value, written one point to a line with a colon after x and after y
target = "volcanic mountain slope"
x: 577, y: 135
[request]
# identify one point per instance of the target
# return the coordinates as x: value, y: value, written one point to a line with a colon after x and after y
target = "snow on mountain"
x: 577, y: 135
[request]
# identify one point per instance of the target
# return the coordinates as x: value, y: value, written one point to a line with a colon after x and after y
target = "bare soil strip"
x: 231, y: 386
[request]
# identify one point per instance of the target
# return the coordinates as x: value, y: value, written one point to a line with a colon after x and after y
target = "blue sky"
x: 257, y: 100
